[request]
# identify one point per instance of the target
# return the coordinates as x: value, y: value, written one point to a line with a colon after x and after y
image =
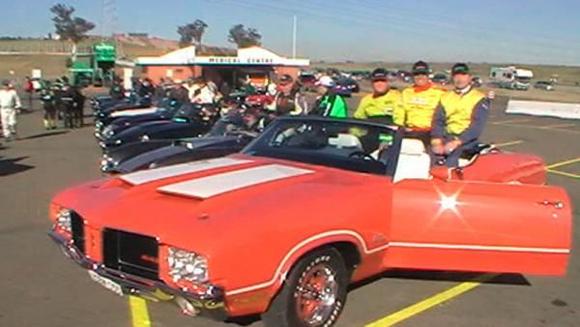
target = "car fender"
x: 302, y: 248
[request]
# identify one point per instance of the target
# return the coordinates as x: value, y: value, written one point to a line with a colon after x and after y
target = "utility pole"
x: 295, y: 21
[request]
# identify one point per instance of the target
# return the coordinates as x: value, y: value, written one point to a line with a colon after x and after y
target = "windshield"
x: 348, y: 145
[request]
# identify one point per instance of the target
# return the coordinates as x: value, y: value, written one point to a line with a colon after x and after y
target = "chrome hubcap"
x: 316, y: 295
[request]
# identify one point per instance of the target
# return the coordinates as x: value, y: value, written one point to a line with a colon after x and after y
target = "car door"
x: 475, y: 226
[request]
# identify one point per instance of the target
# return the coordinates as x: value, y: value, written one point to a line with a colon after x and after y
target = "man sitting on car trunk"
x: 381, y: 104
x: 459, y: 119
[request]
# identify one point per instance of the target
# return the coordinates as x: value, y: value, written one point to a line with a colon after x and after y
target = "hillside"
x: 21, y: 56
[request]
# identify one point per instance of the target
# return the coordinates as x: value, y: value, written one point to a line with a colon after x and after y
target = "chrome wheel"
x: 316, y: 295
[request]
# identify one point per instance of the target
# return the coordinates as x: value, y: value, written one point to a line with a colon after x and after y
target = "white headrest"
x: 412, y: 146
x: 344, y: 140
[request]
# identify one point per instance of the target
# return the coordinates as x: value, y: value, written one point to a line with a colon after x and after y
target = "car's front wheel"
x: 314, y: 293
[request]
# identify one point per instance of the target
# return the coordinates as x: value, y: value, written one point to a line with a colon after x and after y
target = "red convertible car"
x: 310, y: 206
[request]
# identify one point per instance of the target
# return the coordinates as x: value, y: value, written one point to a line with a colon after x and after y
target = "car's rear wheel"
x: 313, y: 294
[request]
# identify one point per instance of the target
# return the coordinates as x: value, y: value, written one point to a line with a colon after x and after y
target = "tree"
x: 244, y: 37
x: 191, y: 33
x: 69, y: 27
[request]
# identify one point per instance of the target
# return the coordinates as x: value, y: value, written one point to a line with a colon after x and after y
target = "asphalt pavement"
x: 40, y: 287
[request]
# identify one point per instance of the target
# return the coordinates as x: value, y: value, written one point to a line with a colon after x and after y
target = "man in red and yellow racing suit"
x: 418, y: 102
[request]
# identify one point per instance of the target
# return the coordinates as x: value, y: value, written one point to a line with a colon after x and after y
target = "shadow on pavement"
x: 244, y: 321
x: 11, y: 166
x: 511, y: 279
x: 47, y: 134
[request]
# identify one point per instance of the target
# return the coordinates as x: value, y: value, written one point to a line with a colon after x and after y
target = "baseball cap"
x: 379, y: 74
x: 421, y: 68
x: 460, y: 68
x: 326, y: 81
x: 285, y: 79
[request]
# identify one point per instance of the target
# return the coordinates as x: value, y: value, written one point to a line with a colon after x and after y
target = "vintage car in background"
x: 228, y: 135
x: 114, y: 124
x: 190, y: 120
x: 307, y: 208
x: 190, y: 150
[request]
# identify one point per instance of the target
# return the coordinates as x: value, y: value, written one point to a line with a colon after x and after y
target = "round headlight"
x: 145, y: 138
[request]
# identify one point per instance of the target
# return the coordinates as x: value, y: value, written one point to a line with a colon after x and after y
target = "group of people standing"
x: 62, y: 100
x: 451, y: 122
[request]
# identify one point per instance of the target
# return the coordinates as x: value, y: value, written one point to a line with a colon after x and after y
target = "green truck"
x: 95, y: 67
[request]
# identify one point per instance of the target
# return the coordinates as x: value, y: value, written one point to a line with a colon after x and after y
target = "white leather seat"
x: 414, y: 162
x: 344, y: 140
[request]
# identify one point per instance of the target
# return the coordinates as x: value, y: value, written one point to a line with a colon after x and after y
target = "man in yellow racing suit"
x: 460, y: 119
x: 382, y: 103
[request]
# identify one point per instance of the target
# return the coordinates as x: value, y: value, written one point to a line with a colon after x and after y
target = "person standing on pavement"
x: 48, y: 98
x: 288, y: 99
x: 117, y: 91
x: 418, y: 103
x: 9, y: 105
x: 329, y: 103
x: 382, y: 103
x: 29, y: 89
x: 460, y: 118
x: 67, y: 98
x: 202, y: 93
x: 78, y: 106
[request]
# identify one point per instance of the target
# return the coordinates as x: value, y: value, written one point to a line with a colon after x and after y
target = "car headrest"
x: 412, y: 146
x: 344, y: 140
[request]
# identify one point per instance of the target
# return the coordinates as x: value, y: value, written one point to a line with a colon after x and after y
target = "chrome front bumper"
x: 209, y: 304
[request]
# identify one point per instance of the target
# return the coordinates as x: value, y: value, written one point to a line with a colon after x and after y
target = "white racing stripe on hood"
x: 133, y: 112
x: 146, y: 176
x: 209, y: 186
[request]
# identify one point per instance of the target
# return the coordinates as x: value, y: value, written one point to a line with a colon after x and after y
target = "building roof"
x: 192, y: 56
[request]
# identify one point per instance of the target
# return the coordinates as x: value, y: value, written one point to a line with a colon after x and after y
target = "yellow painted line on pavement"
x: 431, y: 302
x: 139, y: 312
x: 509, y: 143
x: 563, y: 173
x: 563, y: 163
x: 510, y: 121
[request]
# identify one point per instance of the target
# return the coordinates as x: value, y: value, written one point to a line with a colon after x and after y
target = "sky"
x: 496, y: 31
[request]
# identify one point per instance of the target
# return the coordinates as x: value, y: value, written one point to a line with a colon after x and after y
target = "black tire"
x: 284, y: 309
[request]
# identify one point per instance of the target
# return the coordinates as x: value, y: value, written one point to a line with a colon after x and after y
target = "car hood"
x: 122, y: 121
x: 146, y: 158
x: 234, y: 193
x: 128, y: 150
x: 136, y: 160
x: 148, y: 128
